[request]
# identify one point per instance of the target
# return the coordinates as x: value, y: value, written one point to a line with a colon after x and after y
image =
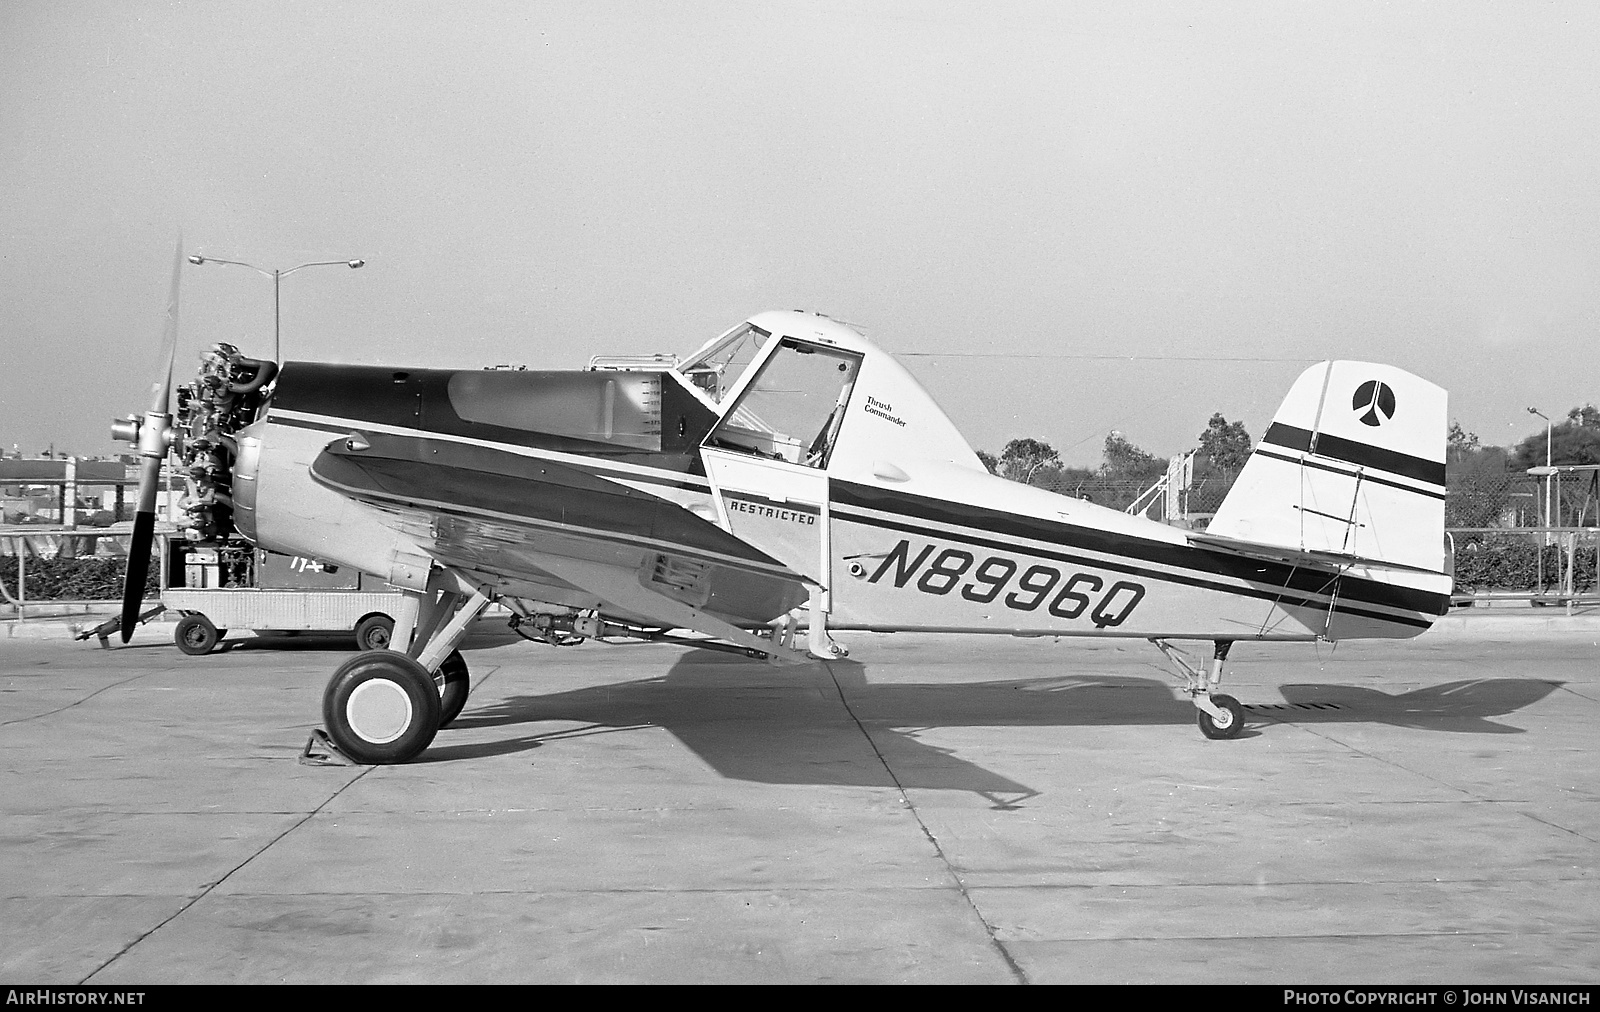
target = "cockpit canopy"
x: 715, y: 369
x: 809, y: 390
x: 793, y: 408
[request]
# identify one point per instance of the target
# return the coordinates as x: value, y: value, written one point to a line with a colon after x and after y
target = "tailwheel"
x: 1229, y: 725
x: 454, y: 683
x: 381, y: 707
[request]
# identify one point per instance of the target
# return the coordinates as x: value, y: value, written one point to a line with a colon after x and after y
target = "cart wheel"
x: 195, y: 635
x: 454, y: 684
x: 381, y: 707
x: 373, y: 632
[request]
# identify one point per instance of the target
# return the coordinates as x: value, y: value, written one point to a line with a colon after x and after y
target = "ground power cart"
x: 217, y: 588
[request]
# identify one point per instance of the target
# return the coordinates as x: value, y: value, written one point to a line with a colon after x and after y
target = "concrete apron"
x: 932, y: 809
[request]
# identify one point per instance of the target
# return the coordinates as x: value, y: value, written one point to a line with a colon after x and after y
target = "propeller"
x: 152, y: 435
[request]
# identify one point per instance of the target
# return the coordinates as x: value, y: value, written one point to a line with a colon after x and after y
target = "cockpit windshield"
x: 717, y: 366
x: 792, y: 410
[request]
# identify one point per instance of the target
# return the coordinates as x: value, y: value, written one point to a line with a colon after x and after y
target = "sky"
x: 1068, y: 218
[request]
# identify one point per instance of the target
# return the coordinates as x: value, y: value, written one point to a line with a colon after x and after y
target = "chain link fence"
x: 1520, y: 536
x: 1503, y: 546
x: 1196, y: 504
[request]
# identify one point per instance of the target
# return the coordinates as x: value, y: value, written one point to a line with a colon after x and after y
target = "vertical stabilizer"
x: 1352, y: 465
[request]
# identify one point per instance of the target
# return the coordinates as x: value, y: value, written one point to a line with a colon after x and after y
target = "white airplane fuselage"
x: 935, y: 547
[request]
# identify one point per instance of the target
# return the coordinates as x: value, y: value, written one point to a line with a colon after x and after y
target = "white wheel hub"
x: 378, y: 711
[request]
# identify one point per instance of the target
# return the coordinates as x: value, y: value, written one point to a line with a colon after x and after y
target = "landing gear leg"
x: 1219, y: 716
x: 818, y: 643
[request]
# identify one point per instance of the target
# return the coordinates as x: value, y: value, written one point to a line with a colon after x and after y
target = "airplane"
x: 788, y: 481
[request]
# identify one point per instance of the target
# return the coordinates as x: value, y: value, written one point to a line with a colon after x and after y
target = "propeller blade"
x: 154, y: 438
x: 161, y: 389
x: 144, y: 536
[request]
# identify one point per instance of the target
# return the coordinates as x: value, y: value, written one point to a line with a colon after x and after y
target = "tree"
x: 1025, y: 459
x: 1477, y: 491
x: 1574, y: 441
x: 1224, y: 445
x: 1459, y: 443
x: 990, y: 461
x: 1125, y: 461
x: 1078, y: 482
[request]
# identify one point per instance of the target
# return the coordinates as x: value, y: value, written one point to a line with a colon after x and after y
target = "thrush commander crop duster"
x: 788, y: 476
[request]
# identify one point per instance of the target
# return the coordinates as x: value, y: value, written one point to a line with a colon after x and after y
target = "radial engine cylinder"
x: 230, y: 393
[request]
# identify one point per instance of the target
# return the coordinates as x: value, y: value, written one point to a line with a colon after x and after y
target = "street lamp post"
x: 1548, y: 472
x: 277, y: 277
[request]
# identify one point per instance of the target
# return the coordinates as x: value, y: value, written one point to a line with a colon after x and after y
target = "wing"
x: 547, y: 530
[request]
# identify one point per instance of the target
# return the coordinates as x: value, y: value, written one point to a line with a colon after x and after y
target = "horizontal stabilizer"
x: 1295, y: 556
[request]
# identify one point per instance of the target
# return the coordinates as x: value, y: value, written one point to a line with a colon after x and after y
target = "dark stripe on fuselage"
x: 1276, y: 595
x: 419, y: 399
x: 1121, y: 546
x: 1372, y: 478
x: 300, y: 423
x: 658, y: 477
x: 1354, y: 452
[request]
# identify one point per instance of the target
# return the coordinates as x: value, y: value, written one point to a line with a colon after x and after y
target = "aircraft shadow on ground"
x: 477, y: 639
x: 1461, y: 707
x: 338, y: 642
x: 341, y: 641
x: 796, y: 731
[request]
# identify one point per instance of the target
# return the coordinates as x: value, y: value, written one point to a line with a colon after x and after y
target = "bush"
x: 1514, y: 565
x: 90, y: 579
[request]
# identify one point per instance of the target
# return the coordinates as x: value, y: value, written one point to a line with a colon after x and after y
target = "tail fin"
x: 1352, y: 465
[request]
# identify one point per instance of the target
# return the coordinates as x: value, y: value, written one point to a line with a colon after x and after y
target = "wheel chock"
x: 321, y: 751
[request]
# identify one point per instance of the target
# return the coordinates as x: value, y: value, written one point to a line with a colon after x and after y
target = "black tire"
x: 454, y: 684
x: 381, y: 707
x: 1235, y: 723
x: 195, y: 635
x: 373, y: 632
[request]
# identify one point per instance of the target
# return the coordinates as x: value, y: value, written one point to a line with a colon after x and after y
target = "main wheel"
x: 454, y: 683
x: 1230, y: 726
x: 381, y: 707
x: 195, y: 635
x: 373, y: 632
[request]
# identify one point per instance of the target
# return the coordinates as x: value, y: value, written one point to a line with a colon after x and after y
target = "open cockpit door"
x: 767, y: 459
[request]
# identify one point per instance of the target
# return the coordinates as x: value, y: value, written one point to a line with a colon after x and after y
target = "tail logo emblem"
x: 1374, y: 402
